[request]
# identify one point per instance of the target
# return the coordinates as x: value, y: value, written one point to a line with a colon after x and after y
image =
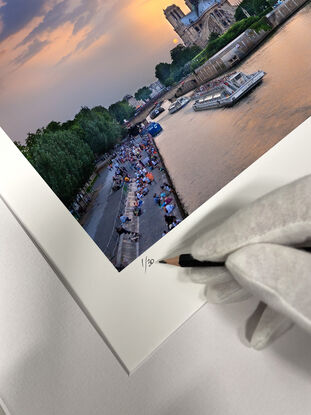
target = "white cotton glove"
x: 251, y: 242
x: 281, y: 277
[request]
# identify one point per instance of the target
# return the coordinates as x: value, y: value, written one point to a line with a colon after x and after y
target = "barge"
x: 228, y: 91
x: 179, y: 104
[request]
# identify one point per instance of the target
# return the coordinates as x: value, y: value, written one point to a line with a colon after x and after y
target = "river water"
x: 203, y: 151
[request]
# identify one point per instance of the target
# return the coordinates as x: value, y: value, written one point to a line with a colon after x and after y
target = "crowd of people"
x: 135, y: 162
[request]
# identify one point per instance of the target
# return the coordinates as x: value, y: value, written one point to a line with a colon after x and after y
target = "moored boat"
x: 178, y: 104
x: 228, y: 91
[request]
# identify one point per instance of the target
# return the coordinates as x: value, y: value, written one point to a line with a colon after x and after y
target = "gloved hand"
x: 261, y: 246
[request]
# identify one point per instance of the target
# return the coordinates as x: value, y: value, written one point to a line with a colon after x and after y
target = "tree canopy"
x: 168, y: 73
x: 181, y: 54
x: 97, y: 128
x: 143, y: 93
x: 213, y: 36
x: 253, y: 8
x: 63, y: 153
x: 121, y: 111
x: 62, y: 160
x: 163, y: 72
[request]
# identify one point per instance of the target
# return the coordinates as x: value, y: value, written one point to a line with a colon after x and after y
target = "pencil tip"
x: 170, y: 261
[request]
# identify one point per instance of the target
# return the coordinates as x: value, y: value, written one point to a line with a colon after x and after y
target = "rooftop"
x: 202, y: 7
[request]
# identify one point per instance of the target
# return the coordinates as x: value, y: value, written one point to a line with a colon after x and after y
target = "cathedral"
x: 205, y: 17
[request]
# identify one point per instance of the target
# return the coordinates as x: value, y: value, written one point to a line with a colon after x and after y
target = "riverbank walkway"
x: 142, y: 231
x: 128, y: 250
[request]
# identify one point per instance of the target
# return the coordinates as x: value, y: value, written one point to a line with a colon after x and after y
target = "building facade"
x: 205, y: 17
x: 156, y: 88
x: 133, y: 101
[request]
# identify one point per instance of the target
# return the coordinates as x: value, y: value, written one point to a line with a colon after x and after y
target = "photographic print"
x: 136, y: 112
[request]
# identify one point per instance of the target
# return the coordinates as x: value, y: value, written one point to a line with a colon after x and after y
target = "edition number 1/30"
x: 147, y: 263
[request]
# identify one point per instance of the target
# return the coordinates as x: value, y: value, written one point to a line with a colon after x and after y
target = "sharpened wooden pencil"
x: 187, y: 260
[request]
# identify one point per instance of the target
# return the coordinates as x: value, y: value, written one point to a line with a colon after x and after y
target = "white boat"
x: 229, y: 91
x: 178, y: 104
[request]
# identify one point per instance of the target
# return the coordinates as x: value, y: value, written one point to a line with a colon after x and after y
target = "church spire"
x: 195, y: 5
x: 189, y: 4
x: 174, y: 14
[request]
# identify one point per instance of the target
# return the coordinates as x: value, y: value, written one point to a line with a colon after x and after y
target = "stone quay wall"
x: 283, y: 11
x: 239, y: 48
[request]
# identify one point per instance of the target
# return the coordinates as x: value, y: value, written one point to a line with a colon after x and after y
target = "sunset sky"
x: 58, y: 55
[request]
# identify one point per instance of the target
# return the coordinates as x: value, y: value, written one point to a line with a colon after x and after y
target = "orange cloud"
x: 62, y: 43
x: 148, y: 17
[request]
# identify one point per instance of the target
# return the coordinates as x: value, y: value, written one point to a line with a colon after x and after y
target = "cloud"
x: 98, y: 31
x: 60, y: 14
x: 53, y: 19
x: 90, y: 38
x: 89, y: 19
x: 120, y: 62
x: 87, y: 11
x: 33, y: 49
x: 16, y: 14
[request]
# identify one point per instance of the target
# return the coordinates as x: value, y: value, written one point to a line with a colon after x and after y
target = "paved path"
x: 103, y: 216
x: 129, y: 250
x: 102, y: 189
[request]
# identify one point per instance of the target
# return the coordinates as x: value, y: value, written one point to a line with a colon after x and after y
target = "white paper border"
x: 135, y: 311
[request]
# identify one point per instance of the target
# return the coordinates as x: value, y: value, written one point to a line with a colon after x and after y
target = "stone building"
x: 156, y: 88
x: 133, y: 101
x: 205, y: 17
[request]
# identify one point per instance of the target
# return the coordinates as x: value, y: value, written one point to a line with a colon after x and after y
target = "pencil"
x: 187, y: 260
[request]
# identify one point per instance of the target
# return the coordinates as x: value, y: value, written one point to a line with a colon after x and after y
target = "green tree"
x: 253, y: 7
x: 181, y: 57
x: 63, y: 154
x: 63, y: 161
x: 53, y: 126
x: 97, y: 128
x: 213, y: 36
x: 163, y: 72
x: 143, y: 93
x: 121, y: 111
x: 181, y: 54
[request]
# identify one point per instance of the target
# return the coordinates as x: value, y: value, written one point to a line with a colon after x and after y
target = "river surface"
x: 203, y: 151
